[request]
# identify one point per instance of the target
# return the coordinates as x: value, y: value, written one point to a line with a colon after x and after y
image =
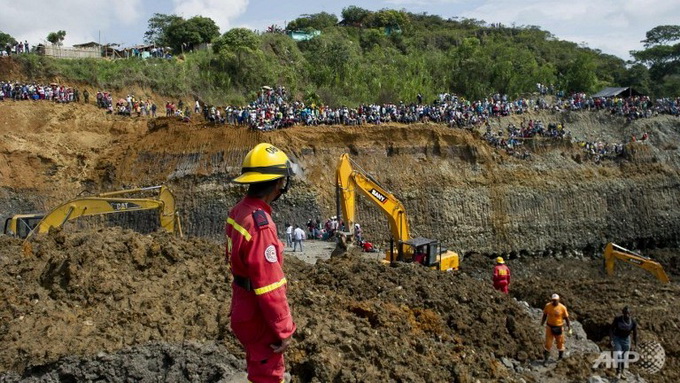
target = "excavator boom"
x: 612, y: 252
x: 350, y: 178
x: 107, y: 203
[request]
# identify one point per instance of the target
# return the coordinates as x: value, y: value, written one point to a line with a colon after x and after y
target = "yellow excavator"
x: 612, y: 252
x: 25, y: 225
x: 429, y: 252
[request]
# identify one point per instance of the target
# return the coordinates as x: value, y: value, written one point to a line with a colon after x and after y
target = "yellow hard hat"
x: 500, y: 260
x: 265, y: 162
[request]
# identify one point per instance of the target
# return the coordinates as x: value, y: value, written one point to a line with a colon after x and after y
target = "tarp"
x: 613, y: 92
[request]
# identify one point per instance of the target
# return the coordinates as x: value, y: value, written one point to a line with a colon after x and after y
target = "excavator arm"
x: 612, y: 252
x: 350, y: 180
x: 114, y: 202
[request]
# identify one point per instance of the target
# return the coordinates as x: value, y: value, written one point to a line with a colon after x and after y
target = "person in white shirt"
x: 289, y: 235
x: 298, y: 236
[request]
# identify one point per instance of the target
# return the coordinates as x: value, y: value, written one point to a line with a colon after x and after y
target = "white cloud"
x: 81, y: 19
x: 223, y: 12
x: 423, y: 2
x: 613, y: 26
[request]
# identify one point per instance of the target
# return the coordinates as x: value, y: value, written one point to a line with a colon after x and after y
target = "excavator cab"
x: 428, y: 252
x: 20, y: 225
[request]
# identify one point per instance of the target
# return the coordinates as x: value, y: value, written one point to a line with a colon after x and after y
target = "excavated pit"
x: 108, y: 303
x: 113, y: 303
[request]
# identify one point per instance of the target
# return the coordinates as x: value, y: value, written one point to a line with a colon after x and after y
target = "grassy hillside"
x: 363, y: 60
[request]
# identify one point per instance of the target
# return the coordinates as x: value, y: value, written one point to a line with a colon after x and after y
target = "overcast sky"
x: 613, y: 26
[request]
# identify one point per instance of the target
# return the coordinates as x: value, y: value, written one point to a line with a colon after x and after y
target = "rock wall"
x: 456, y: 188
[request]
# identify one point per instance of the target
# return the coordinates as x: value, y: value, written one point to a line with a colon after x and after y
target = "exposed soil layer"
x: 456, y: 187
x: 114, y: 303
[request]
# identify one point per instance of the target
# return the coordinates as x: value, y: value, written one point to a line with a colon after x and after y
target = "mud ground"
x: 115, y: 305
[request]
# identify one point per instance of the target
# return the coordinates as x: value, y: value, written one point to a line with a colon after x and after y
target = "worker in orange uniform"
x: 501, y: 276
x: 556, y: 315
x: 260, y: 315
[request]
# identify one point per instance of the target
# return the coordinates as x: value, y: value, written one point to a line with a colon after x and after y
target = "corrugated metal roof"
x: 610, y: 92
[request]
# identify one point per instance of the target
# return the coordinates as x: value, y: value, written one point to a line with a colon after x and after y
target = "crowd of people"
x: 273, y: 109
x: 127, y: 106
x: 16, y: 48
x: 15, y: 90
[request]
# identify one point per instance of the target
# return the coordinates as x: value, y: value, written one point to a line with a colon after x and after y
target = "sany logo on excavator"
x: 379, y: 196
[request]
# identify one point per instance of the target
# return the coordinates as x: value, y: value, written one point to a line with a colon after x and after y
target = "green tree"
x: 179, y: 34
x: 388, y: 18
x: 661, y: 35
x: 157, y: 26
x: 6, y: 39
x: 238, y: 52
x: 580, y: 75
x: 56, y: 38
x: 183, y: 35
x: 662, y: 56
x: 318, y: 21
x: 637, y: 76
x: 354, y: 15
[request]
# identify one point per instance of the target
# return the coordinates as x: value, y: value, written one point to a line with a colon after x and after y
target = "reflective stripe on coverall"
x: 261, y: 317
x: 501, y: 278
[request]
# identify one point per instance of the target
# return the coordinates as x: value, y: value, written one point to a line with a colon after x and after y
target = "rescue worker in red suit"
x: 501, y: 276
x: 260, y: 315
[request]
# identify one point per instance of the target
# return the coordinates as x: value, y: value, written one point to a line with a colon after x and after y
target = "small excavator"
x: 613, y: 252
x: 25, y: 225
x: 428, y: 252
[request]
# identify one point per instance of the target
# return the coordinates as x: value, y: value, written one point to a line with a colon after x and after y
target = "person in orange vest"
x: 501, y: 276
x: 260, y: 315
x: 556, y: 316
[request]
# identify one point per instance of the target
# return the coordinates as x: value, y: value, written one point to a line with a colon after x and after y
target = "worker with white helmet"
x: 556, y: 315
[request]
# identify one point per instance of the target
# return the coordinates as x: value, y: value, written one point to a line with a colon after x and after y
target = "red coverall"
x: 260, y: 316
x: 501, y: 278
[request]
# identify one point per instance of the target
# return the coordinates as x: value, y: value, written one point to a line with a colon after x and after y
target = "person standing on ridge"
x: 556, y: 315
x: 501, y: 276
x: 260, y: 315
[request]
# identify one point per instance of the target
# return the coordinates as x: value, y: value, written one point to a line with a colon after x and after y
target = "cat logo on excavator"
x: 25, y: 225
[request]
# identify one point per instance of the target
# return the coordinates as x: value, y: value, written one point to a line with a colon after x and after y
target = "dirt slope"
x: 89, y: 292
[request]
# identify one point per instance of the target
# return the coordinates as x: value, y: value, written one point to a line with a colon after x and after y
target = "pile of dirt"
x: 81, y: 294
x: 405, y: 323
x: 190, y: 361
x: 112, y: 303
x: 104, y: 290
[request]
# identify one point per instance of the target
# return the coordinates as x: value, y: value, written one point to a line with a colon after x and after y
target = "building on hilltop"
x: 303, y: 35
x: 78, y: 51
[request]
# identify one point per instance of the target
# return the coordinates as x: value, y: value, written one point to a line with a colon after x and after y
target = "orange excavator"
x: 613, y: 252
